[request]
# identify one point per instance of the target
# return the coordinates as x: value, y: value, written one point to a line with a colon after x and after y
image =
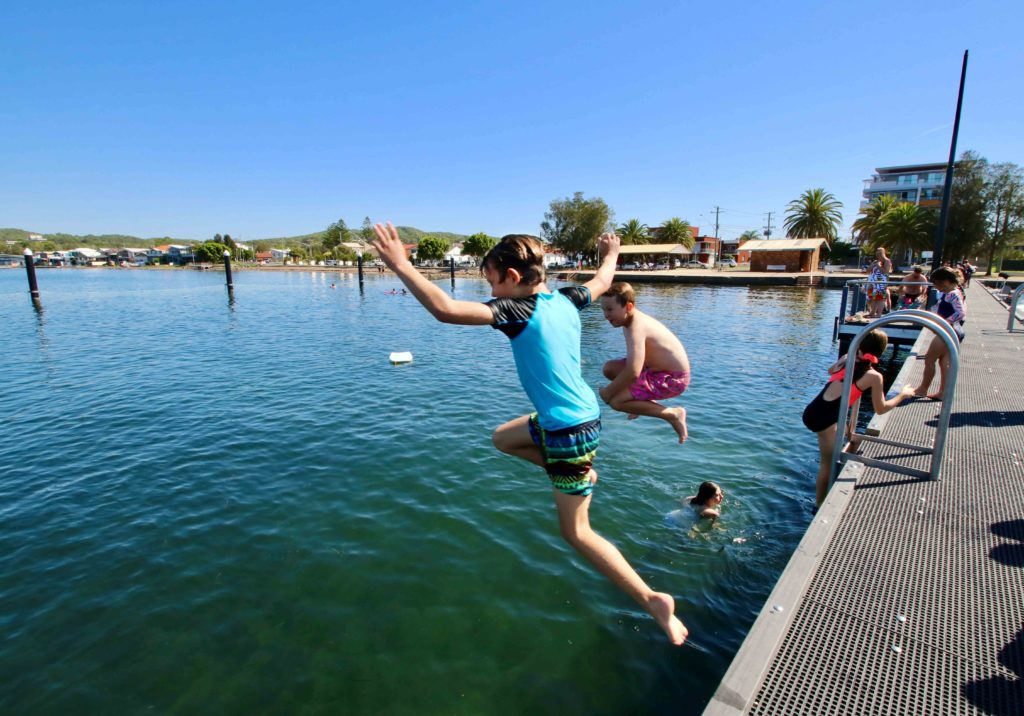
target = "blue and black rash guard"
x: 545, y: 333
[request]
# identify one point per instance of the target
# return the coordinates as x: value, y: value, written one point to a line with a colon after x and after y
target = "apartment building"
x: 919, y: 184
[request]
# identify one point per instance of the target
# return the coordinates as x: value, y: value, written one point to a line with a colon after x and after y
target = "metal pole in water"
x: 359, y: 263
x: 451, y: 269
x: 227, y: 270
x: 30, y: 269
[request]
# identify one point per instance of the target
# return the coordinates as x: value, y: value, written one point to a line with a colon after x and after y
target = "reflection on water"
x: 246, y: 508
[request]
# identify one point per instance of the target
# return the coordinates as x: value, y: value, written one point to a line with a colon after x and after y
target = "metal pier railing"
x: 842, y: 452
x: 1014, y: 299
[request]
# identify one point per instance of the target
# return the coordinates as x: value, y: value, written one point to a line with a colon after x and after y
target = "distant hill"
x: 408, y: 234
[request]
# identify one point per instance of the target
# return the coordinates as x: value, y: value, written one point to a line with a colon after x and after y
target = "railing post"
x: 1013, y: 307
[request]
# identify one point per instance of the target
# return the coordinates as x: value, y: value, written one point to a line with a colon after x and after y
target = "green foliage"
x: 409, y: 235
x: 968, y: 207
x: 366, y: 232
x: 336, y: 233
x: 870, y: 215
x: 840, y: 252
x: 904, y: 228
x: 814, y: 215
x: 676, y: 231
x: 210, y: 252
x: 478, y: 245
x: 634, y: 232
x: 573, y: 225
x: 1005, y: 194
x: 432, y: 248
x: 749, y: 235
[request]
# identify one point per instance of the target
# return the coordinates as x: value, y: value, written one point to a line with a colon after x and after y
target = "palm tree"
x: 749, y: 235
x: 676, y: 231
x: 633, y: 232
x: 814, y: 215
x: 871, y: 214
x: 905, y: 228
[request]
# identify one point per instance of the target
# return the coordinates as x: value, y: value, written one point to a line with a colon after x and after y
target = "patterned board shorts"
x: 660, y: 385
x: 568, y: 454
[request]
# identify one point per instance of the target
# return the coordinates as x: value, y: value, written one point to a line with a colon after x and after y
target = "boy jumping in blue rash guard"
x: 563, y: 434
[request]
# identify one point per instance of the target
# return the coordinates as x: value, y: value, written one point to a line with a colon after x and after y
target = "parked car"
x: 731, y: 263
x: 662, y: 266
x: 630, y: 267
x: 694, y: 264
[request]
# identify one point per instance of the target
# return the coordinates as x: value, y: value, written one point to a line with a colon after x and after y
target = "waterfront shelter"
x: 788, y: 255
x: 676, y: 252
x: 84, y: 256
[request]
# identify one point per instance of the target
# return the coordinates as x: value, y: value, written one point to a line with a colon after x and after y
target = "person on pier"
x: 953, y: 310
x: 822, y: 414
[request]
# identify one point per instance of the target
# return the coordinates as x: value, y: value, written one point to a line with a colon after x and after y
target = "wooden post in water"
x: 227, y: 271
x: 359, y: 263
x: 451, y: 269
x: 30, y: 269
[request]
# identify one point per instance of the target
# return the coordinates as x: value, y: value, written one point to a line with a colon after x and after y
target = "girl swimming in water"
x: 707, y: 500
x: 822, y: 413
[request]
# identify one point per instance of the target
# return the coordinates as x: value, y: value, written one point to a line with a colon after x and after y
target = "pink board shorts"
x: 660, y: 385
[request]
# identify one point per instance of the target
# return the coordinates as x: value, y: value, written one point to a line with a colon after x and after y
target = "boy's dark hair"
x: 705, y: 492
x: 945, y: 274
x: 521, y: 252
x: 621, y: 292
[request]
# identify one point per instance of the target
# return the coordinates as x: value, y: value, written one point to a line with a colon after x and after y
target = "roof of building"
x: 912, y: 168
x: 654, y: 249
x: 782, y: 244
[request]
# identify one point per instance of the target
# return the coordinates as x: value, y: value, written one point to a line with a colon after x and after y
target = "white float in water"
x: 401, y: 357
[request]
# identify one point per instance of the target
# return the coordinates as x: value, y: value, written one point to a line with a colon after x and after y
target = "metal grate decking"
x: 907, y: 596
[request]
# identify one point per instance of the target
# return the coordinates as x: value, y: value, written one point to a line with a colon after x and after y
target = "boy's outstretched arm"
x: 608, y: 245
x: 441, y: 306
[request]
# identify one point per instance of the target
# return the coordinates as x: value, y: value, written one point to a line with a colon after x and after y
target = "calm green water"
x: 214, y: 508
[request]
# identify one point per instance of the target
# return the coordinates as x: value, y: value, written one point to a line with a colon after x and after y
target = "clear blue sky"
x: 261, y: 119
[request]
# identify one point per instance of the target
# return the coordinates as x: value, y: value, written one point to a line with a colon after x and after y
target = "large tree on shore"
x: 870, y: 215
x: 574, y: 224
x: 432, y: 248
x: 1005, y: 197
x: 749, y: 235
x: 904, y: 228
x: 478, y: 245
x: 816, y: 214
x: 634, y: 232
x: 676, y: 231
x: 335, y: 234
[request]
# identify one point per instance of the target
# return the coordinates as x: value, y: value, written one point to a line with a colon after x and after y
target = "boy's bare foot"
x: 921, y: 392
x: 935, y: 396
x: 678, y: 421
x: 632, y: 416
x: 662, y: 607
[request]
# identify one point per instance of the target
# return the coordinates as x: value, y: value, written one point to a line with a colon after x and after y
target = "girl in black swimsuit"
x: 822, y: 413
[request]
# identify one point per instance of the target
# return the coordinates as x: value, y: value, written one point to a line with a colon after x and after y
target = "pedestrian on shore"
x: 655, y: 368
x: 822, y: 414
x: 951, y: 308
x: 562, y: 436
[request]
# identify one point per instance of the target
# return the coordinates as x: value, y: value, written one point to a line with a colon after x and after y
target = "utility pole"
x: 718, y: 240
x: 768, y: 228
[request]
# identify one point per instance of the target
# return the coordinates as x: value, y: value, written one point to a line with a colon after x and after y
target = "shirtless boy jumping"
x: 655, y: 367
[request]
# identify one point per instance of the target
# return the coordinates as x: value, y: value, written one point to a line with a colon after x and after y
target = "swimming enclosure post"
x: 359, y: 263
x: 451, y: 269
x: 227, y: 271
x: 30, y: 269
x: 1013, y: 307
x: 942, y: 331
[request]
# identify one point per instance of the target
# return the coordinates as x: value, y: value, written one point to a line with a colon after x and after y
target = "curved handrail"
x: 944, y: 331
x: 1013, y: 307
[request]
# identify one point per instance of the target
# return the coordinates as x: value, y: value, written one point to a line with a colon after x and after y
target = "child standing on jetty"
x: 655, y: 367
x: 822, y: 413
x: 950, y: 307
x: 562, y: 435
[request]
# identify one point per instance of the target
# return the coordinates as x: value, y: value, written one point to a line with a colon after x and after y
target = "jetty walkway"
x: 906, y: 596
